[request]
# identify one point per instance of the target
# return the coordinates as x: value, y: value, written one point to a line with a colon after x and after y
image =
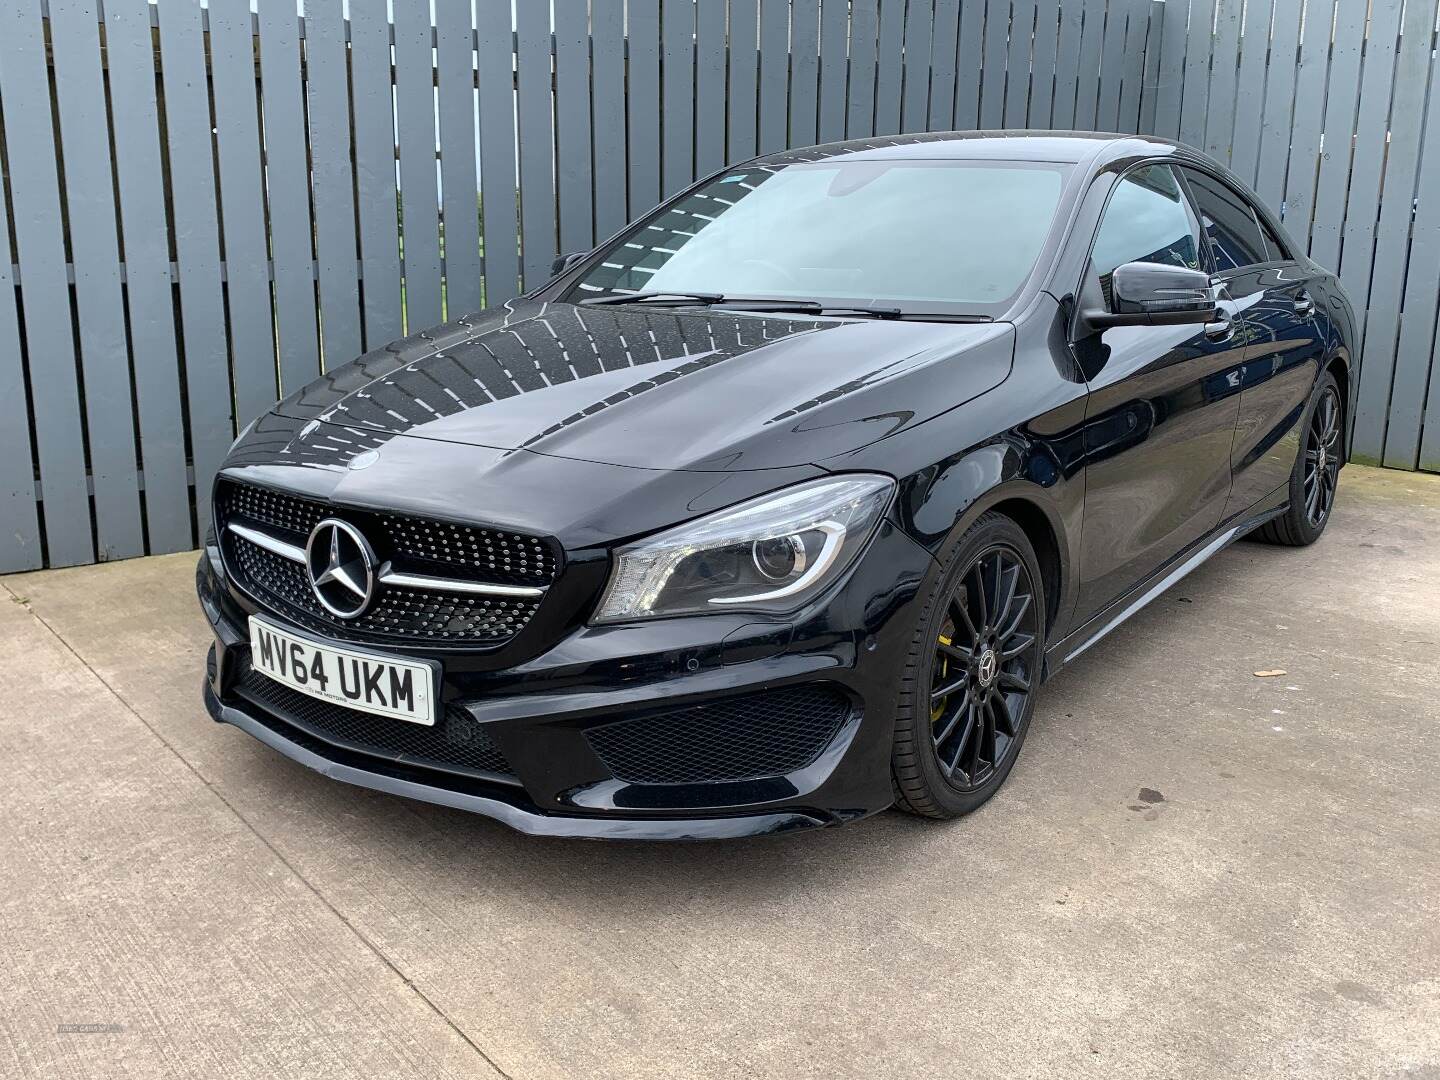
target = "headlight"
x: 769, y: 554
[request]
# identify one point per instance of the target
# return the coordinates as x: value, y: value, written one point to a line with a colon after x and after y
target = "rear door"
x: 1163, y: 402
x: 1286, y: 340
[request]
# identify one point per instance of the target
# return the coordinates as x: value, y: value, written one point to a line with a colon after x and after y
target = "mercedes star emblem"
x: 341, y: 567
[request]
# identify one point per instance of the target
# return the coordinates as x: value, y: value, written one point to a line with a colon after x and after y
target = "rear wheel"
x: 1316, y: 474
x: 972, y: 674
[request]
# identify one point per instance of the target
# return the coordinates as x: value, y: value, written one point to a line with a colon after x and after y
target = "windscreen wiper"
x: 767, y: 304
x: 655, y: 297
x: 814, y: 307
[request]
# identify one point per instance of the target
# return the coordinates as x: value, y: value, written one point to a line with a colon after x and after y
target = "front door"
x: 1163, y: 403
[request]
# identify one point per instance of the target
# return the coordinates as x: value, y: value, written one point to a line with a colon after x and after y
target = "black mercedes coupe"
x: 778, y: 508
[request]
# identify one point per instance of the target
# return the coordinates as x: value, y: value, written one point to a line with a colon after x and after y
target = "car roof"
x: 994, y: 145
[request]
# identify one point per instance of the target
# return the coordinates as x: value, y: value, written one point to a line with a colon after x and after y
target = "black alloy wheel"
x: 1316, y: 473
x: 980, y: 678
x: 1322, y: 457
x: 972, y: 675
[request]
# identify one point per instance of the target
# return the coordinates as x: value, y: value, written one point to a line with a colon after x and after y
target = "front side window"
x: 1274, y: 247
x: 915, y: 233
x: 1230, y: 224
x: 1146, y: 220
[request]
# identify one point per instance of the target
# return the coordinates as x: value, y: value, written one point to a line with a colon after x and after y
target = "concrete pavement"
x: 1192, y: 872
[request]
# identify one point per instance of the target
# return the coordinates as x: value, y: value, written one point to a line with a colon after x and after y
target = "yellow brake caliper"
x: 938, y: 709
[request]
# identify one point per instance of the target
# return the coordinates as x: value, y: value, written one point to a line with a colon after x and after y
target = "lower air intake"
x: 455, y: 743
x: 741, y: 738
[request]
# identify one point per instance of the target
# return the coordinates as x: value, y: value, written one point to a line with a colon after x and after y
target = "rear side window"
x: 1146, y: 220
x: 1230, y: 224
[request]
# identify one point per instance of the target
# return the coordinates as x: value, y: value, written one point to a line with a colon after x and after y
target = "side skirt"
x: 1063, y: 652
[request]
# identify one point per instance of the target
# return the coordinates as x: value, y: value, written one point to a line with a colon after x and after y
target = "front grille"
x: 413, y: 545
x: 456, y: 743
x: 741, y: 738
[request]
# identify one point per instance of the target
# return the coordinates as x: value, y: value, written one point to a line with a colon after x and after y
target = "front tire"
x: 971, y: 674
x: 1316, y: 474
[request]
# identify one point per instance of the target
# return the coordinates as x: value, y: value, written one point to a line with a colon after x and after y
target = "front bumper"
x: 549, y: 714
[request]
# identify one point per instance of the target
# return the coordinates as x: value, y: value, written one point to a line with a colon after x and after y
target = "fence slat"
x: 285, y: 175
x: 1225, y: 57
x: 834, y: 70
x: 188, y: 125
x: 1018, y: 73
x: 1299, y: 198
x: 1254, y: 49
x: 860, y: 108
x: 533, y: 102
x: 915, y: 92
x: 242, y: 206
x: 1042, y: 80
x: 971, y: 46
x: 495, y: 59
x: 1132, y: 75
x: 1067, y: 65
x: 744, y: 92
x: 774, y: 74
x: 889, y: 48
x: 1414, y: 362
x: 992, y: 63
x: 1196, y: 95
x: 709, y: 88
x: 945, y: 37
x: 375, y: 197
x: 459, y: 186
x: 677, y: 112
x: 1087, y: 91
x: 1112, y: 67
x: 149, y: 294
x: 1170, y: 87
x: 607, y: 40
x: 327, y: 84
x: 572, y: 130
x: 20, y: 538
x: 1341, y: 93
x: 643, y: 103
x: 90, y: 204
x: 419, y: 204
x: 1357, y: 256
x: 45, y: 292
x: 804, y: 70
x: 1279, y: 103
x: 1392, y: 240
x: 1151, y: 79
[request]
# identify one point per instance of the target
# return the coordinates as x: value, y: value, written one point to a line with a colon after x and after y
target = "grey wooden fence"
x: 205, y: 205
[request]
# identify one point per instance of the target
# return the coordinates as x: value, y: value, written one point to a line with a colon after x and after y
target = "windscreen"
x: 947, y: 233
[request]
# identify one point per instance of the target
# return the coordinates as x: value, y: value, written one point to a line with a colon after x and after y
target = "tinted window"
x: 1146, y: 220
x: 1274, y: 247
x: 1229, y: 223
x: 925, y: 232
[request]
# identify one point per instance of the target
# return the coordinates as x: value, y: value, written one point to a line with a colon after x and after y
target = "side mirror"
x: 565, y: 262
x: 1155, y: 294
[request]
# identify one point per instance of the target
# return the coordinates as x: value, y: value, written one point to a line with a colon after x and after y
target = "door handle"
x: 1221, y: 329
x: 1304, y: 305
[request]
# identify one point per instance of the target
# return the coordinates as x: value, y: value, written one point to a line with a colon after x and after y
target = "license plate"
x: 358, y: 680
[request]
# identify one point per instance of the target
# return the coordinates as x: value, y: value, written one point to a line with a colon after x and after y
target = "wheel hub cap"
x: 985, y: 671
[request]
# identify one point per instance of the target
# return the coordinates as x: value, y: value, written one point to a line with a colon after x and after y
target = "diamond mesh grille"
x: 742, y: 738
x: 455, y: 742
x: 415, y: 545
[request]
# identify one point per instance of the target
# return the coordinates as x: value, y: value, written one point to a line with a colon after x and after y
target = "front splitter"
x: 518, y: 818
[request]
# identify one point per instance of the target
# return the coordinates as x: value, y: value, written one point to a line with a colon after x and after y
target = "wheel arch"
x: 1041, y: 512
x: 1338, y: 365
